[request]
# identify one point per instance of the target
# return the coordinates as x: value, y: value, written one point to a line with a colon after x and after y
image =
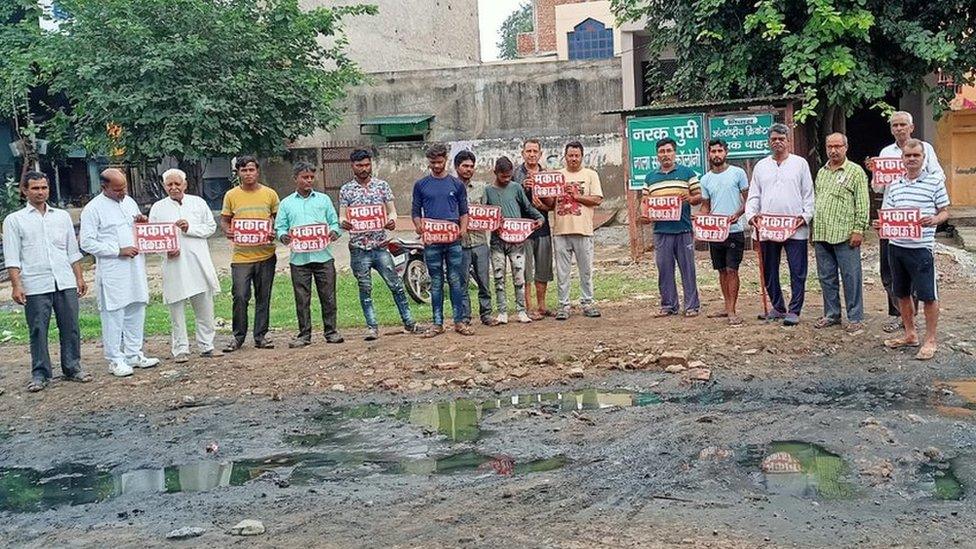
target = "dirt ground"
x: 645, y: 457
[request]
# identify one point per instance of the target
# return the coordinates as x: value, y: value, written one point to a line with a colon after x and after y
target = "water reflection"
x: 801, y: 469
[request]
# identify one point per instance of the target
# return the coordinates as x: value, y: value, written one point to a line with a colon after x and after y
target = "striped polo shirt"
x: 680, y: 181
x: 927, y: 193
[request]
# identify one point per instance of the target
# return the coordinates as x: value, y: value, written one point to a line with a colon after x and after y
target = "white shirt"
x: 192, y: 272
x: 106, y: 227
x: 784, y: 188
x: 43, y: 246
x: 931, y: 165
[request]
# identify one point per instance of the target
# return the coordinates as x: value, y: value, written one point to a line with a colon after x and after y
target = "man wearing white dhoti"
x: 108, y: 233
x: 188, y: 274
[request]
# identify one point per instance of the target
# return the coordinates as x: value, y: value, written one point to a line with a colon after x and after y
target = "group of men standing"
x: 832, y: 211
x: 441, y: 196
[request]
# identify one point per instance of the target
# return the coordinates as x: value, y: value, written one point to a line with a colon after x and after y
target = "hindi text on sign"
x: 251, y: 232
x: 156, y: 237
x: 900, y: 223
x: 661, y: 208
x: 482, y: 217
x: 711, y: 228
x: 366, y: 218
x: 437, y: 231
x: 516, y: 230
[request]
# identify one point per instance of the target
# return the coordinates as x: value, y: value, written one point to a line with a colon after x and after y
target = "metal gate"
x: 336, y: 169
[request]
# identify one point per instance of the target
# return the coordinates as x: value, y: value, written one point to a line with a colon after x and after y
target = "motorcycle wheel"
x: 416, y: 280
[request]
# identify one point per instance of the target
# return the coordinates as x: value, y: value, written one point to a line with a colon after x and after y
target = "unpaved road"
x: 799, y: 438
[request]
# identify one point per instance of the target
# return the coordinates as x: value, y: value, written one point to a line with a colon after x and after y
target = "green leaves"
x: 842, y: 54
x: 201, y: 78
x: 518, y: 21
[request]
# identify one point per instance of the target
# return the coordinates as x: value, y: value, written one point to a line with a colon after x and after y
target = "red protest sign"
x: 516, y: 230
x: 484, y: 218
x: 711, y: 228
x: 885, y: 171
x: 548, y: 184
x: 661, y: 208
x: 437, y: 231
x: 309, y: 238
x: 152, y: 238
x: 366, y: 218
x: 777, y: 228
x: 251, y: 232
x: 901, y: 223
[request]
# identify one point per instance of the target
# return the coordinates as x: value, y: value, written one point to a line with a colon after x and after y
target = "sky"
x: 491, y: 14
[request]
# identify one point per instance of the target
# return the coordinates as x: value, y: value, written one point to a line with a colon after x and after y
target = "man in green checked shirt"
x: 840, y: 219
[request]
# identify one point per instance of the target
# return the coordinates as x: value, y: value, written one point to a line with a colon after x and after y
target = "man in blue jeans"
x: 442, y: 197
x: 367, y: 245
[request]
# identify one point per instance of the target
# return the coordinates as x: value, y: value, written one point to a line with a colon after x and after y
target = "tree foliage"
x: 199, y: 78
x: 519, y: 21
x: 840, y: 55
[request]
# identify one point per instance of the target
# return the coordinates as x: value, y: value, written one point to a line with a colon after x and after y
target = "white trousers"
x: 203, y: 310
x: 122, y: 331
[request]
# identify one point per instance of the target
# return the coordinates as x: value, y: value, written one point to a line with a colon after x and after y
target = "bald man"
x: 108, y: 233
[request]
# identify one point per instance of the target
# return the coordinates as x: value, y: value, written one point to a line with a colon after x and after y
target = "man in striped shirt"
x: 673, y: 240
x: 841, y: 206
x: 912, y: 262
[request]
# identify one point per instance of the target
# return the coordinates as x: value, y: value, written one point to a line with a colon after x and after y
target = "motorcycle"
x: 408, y: 260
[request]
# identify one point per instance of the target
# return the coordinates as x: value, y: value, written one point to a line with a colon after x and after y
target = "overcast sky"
x: 491, y: 14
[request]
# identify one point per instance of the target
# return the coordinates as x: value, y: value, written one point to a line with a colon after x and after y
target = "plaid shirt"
x: 841, y: 203
x: 354, y: 194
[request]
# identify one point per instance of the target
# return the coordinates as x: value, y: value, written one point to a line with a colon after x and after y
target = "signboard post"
x: 643, y: 133
x: 746, y: 134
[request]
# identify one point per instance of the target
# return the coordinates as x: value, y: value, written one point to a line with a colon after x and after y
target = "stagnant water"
x: 787, y: 467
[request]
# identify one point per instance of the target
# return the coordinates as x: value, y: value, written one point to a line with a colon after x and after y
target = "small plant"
x: 10, y: 198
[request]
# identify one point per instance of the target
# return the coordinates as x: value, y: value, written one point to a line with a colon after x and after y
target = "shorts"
x: 727, y: 255
x: 913, y: 273
x: 538, y: 259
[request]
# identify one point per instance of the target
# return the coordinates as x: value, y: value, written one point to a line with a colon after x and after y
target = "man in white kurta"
x: 108, y: 233
x: 188, y: 274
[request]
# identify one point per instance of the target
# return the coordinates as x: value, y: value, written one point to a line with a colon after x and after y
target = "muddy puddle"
x: 29, y: 490
x: 801, y: 469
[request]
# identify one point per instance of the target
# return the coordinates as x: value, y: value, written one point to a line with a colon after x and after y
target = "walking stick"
x: 762, y: 277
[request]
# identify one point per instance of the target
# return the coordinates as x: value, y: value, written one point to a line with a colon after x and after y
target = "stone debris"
x: 248, y: 527
x: 186, y: 532
x: 699, y: 374
x: 674, y: 357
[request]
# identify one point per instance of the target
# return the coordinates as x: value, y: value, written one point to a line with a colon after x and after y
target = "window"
x: 590, y: 39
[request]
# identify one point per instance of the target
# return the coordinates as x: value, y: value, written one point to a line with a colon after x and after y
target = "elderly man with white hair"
x: 188, y: 274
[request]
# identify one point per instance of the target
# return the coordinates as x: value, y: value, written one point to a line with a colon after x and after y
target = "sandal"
x: 927, y: 352
x: 663, y: 313
x: 691, y: 314
x: 892, y: 326
x: 717, y: 314
x: 79, y: 377
x: 854, y: 327
x: 36, y: 385
x: 535, y: 315
x: 434, y: 331
x: 825, y: 322
x: 735, y: 320
x: 899, y: 342
x: 463, y: 329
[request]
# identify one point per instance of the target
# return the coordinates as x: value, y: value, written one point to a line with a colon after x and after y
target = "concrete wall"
x: 493, y: 100
x: 411, y: 35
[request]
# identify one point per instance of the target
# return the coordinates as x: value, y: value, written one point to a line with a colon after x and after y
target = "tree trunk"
x: 194, y: 175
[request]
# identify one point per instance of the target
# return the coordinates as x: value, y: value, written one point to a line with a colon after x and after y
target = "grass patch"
x: 607, y: 287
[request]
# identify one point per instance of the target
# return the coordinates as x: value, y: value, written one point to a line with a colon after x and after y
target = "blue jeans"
x: 362, y: 263
x: 437, y: 257
x: 834, y: 258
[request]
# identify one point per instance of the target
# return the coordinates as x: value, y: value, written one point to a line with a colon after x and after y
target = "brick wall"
x: 525, y: 44
x: 545, y: 23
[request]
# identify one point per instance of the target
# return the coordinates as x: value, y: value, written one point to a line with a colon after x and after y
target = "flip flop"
x: 892, y: 326
x: 663, y: 313
x: 899, y: 342
x: 537, y: 316
x: 824, y: 322
x: 463, y: 329
x: 717, y: 314
x: 927, y: 352
x: 433, y: 331
x: 735, y: 320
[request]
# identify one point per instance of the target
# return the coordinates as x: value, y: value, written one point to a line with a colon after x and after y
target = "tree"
x: 25, y: 70
x: 839, y: 55
x: 517, y: 22
x: 198, y: 78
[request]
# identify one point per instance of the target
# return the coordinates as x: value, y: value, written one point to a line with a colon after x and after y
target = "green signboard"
x: 746, y: 134
x: 688, y: 131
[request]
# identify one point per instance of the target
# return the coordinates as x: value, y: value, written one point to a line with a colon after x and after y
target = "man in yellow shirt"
x: 254, y: 258
x: 572, y: 228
